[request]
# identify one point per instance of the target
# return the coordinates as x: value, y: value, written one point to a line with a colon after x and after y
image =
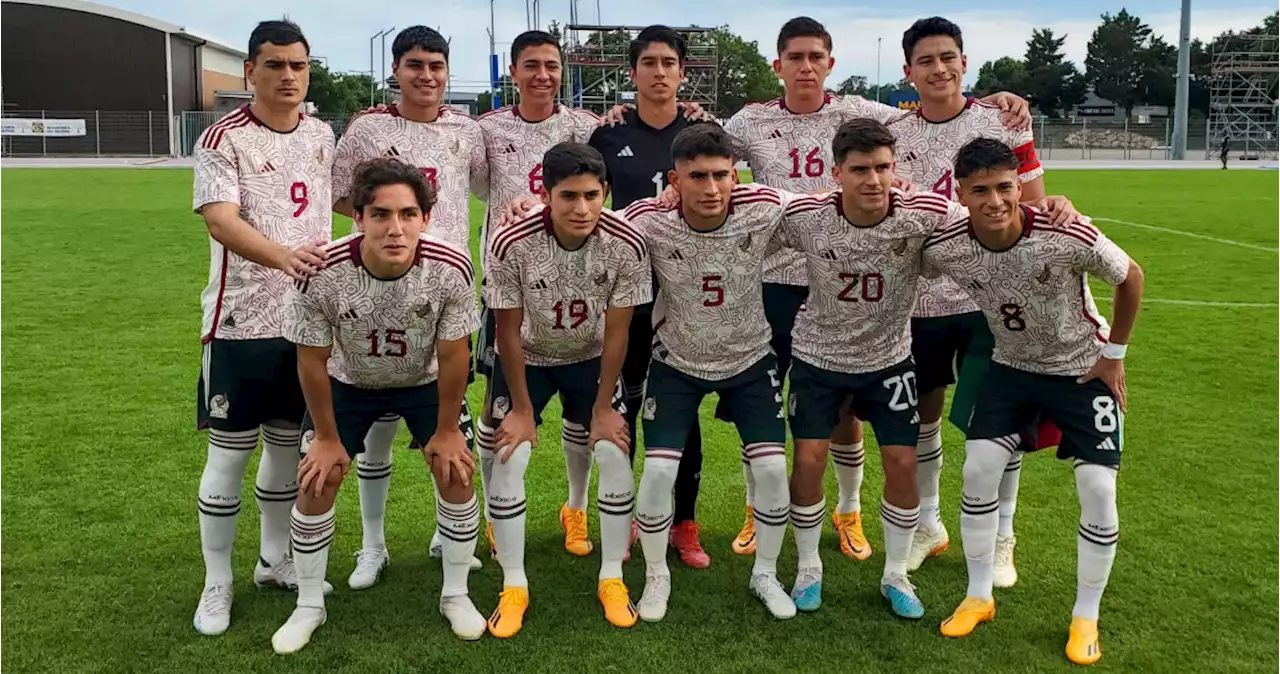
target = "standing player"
x: 562, y: 284
x: 708, y: 253
x: 447, y: 147
x: 1054, y: 358
x: 369, y: 326
x: 947, y: 323
x: 262, y: 186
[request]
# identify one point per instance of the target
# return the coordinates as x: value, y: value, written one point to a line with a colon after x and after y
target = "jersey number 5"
x: 711, y: 285
x: 394, y: 344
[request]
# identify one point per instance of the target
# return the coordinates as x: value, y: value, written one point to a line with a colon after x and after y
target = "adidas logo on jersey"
x: 975, y: 285
x: 675, y: 255
x: 776, y: 134
x: 829, y: 254
x: 349, y: 314
x: 908, y: 157
x: 626, y: 152
x: 511, y: 147
x: 267, y: 168
x: 540, y: 284
x: 1108, y: 445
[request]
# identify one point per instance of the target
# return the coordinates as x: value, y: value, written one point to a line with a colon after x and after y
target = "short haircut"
x: 860, y: 135
x: 984, y: 154
x: 282, y: 32
x: 531, y: 38
x: 705, y: 140
x: 372, y: 174
x: 566, y: 160
x: 802, y: 26
x: 661, y: 35
x: 933, y: 26
x: 427, y: 39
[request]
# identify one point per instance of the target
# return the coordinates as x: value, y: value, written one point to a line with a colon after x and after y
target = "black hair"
x: 372, y: 174
x: 860, y: 135
x: 802, y: 26
x: 427, y: 39
x: 531, y: 38
x: 933, y: 26
x: 282, y: 32
x: 661, y: 35
x: 705, y: 140
x: 984, y: 154
x: 566, y: 160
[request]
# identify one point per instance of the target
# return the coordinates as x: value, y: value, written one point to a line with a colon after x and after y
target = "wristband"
x: 1113, y: 351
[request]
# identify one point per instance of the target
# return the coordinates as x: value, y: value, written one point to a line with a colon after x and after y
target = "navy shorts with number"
x: 244, y: 383
x: 1013, y: 401
x: 752, y: 401
x: 355, y: 409
x: 576, y: 383
x: 886, y: 398
x: 939, y: 345
x: 486, y: 354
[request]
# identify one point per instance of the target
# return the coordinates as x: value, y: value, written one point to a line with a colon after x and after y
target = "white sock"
x: 984, y: 464
x: 312, y: 535
x: 373, y: 468
x: 577, y: 463
x: 486, y: 438
x: 654, y: 508
x: 773, y: 503
x: 899, y: 527
x: 276, y: 489
x: 1096, y: 541
x: 806, y: 523
x: 848, y: 460
x: 507, y: 514
x: 218, y: 500
x: 749, y: 478
x: 458, y: 524
x: 928, y: 472
x: 1009, y: 493
x: 615, y: 499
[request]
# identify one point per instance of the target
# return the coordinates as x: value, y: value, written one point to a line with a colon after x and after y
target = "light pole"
x: 373, y: 73
x: 1183, y: 92
x: 878, y: 41
x: 385, y: 33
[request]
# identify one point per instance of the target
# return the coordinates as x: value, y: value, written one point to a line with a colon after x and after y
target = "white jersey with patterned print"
x: 708, y: 318
x: 1035, y: 294
x: 449, y: 151
x: 792, y: 152
x: 862, y: 279
x: 384, y: 331
x: 564, y: 293
x: 281, y: 183
x: 926, y: 153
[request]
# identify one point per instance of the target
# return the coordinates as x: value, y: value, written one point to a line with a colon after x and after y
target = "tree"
x: 1002, y: 74
x: 338, y: 93
x: 1159, y: 70
x: 1052, y: 83
x: 854, y: 85
x: 1114, y: 64
x: 744, y: 74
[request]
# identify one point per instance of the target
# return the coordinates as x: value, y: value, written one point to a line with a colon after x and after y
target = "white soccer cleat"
x: 465, y: 621
x: 369, y: 565
x: 1005, y: 573
x: 437, y: 551
x: 213, y: 613
x: 769, y: 589
x: 281, y: 574
x: 296, y: 632
x: 653, y: 603
x: 927, y: 543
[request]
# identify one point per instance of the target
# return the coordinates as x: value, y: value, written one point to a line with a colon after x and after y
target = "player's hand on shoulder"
x: 516, y: 209
x: 693, y: 112
x: 1015, y: 112
x: 1111, y: 372
x: 615, y: 115
x: 904, y: 184
x: 449, y: 449
x: 516, y: 427
x: 1059, y: 208
x: 304, y: 261
x: 608, y: 424
x: 324, y: 457
x: 669, y: 197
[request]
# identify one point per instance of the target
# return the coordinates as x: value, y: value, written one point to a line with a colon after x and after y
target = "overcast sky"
x: 339, y: 30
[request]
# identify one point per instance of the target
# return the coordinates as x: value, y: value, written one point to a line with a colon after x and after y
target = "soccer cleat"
x: 853, y: 543
x: 493, y: 543
x: 296, y: 632
x: 631, y: 542
x: 807, y: 592
x: 615, y: 599
x: 508, y: 618
x: 745, y: 542
x: 574, y: 523
x: 770, y: 591
x: 213, y: 613
x: 1005, y: 574
x: 437, y: 551
x: 465, y: 621
x: 968, y: 615
x: 684, y: 538
x: 653, y: 603
x: 902, y: 596
x: 369, y: 565
x: 282, y: 574
x: 1083, y: 647
x: 927, y: 543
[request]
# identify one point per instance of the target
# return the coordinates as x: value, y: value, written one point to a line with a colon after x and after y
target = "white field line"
x: 1193, y: 235
x: 1203, y: 303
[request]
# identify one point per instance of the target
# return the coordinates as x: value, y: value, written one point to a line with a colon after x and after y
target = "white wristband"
x: 1112, y: 351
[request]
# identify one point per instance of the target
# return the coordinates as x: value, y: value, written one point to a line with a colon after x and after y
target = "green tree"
x: 1114, y: 64
x: 1159, y: 69
x: 854, y: 85
x: 744, y: 75
x: 1003, y: 74
x: 338, y: 93
x: 1052, y: 84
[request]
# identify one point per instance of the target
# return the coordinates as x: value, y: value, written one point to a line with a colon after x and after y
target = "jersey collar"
x: 968, y: 103
x: 551, y: 231
x: 894, y: 198
x: 358, y: 259
x: 248, y: 111
x: 782, y: 103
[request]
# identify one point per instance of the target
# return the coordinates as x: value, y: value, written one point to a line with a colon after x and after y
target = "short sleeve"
x: 459, y: 317
x: 1023, y: 145
x: 736, y: 124
x: 305, y: 322
x: 479, y: 163
x: 879, y: 111
x: 634, y: 284
x: 585, y: 125
x: 345, y: 158
x: 1104, y: 260
x: 217, y: 177
x: 502, y: 288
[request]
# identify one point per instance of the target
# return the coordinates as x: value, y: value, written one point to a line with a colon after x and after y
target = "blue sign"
x: 909, y: 99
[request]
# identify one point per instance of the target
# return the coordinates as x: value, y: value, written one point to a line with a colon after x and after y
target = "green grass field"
x: 102, y: 564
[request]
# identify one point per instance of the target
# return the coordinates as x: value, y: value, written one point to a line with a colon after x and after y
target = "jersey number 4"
x: 392, y: 344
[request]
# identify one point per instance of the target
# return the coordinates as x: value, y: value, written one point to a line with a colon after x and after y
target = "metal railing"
x: 107, y: 134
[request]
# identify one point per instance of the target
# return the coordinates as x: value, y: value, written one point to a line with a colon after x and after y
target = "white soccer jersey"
x: 862, y: 280
x: 709, y: 317
x: 449, y: 152
x: 926, y: 153
x: 792, y: 152
x: 1035, y: 294
x: 282, y: 185
x: 384, y: 331
x: 564, y: 293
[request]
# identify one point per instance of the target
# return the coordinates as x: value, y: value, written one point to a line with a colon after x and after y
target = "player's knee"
x: 770, y: 473
x: 1096, y: 485
x: 810, y: 457
x: 899, y: 463
x: 984, y: 464
x: 659, y: 475
x: 611, y: 460
x: 512, y: 470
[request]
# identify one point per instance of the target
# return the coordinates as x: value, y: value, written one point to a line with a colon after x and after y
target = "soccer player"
x: 947, y: 323
x: 711, y: 337
x: 447, y: 147
x: 384, y: 327
x: 562, y: 283
x: 262, y: 186
x: 1054, y: 358
x: 861, y: 246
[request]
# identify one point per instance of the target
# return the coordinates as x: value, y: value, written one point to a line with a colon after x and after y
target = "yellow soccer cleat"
x: 574, y: 523
x: 853, y: 543
x: 615, y: 599
x: 508, y: 618
x: 745, y: 543
x: 968, y: 615
x: 1083, y: 647
x: 493, y: 543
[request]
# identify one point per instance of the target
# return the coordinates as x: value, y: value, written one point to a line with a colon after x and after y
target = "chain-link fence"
x: 107, y: 134
x: 192, y: 124
x: 1084, y: 138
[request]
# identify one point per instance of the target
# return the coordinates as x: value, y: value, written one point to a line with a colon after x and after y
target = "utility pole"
x: 385, y: 33
x: 1183, y: 94
x: 373, y: 73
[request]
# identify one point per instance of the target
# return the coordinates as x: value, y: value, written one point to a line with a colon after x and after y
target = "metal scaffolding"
x: 1242, y: 95
x: 597, y: 61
